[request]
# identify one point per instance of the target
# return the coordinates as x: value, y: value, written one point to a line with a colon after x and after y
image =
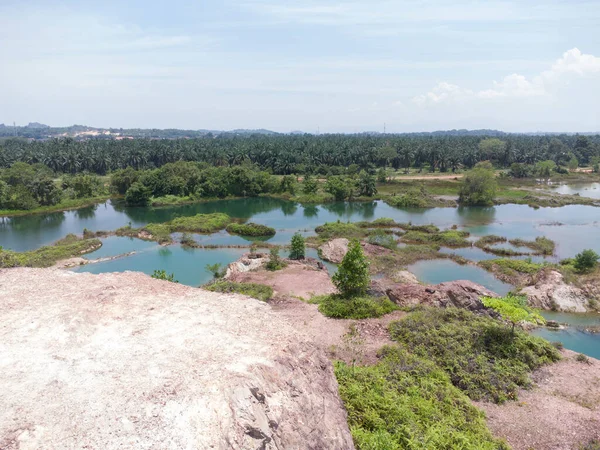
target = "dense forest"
x: 287, y: 154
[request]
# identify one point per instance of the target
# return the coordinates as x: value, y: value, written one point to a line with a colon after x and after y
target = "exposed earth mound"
x: 551, y: 292
x: 125, y: 361
x: 460, y: 294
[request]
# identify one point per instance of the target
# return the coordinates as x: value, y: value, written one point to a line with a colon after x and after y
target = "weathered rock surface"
x: 551, y: 292
x: 334, y: 250
x: 461, y: 294
x: 125, y: 361
x: 405, y: 277
x: 246, y: 263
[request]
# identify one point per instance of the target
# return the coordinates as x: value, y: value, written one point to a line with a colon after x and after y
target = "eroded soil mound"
x: 125, y: 361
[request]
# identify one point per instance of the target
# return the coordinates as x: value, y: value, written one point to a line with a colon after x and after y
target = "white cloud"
x: 573, y: 62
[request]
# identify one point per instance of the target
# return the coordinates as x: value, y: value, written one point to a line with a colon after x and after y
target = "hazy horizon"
x: 346, y: 67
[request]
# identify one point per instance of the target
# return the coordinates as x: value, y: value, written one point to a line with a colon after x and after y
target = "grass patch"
x: 448, y: 238
x: 541, y: 245
x: 490, y: 239
x: 416, y: 198
x: 47, y: 256
x: 407, y: 402
x: 339, y: 307
x: 510, y: 266
x: 333, y: 230
x: 250, y: 229
x: 482, y: 356
x: 200, y: 223
x: 254, y: 290
x: 382, y: 239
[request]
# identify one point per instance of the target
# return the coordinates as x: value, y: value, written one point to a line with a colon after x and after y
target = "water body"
x: 572, y: 227
x: 591, y: 190
x: 437, y: 271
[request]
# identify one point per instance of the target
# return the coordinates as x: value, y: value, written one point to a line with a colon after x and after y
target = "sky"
x: 312, y: 65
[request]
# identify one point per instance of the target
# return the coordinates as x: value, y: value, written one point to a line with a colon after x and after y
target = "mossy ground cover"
x: 333, y: 230
x: 448, y: 238
x: 541, y: 245
x: 361, y: 307
x: 482, y: 356
x: 161, y: 232
x: 408, y: 402
x: 68, y: 247
x: 250, y: 229
x: 512, y: 267
x: 255, y: 290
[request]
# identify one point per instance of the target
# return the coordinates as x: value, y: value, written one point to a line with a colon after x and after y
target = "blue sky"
x: 302, y: 65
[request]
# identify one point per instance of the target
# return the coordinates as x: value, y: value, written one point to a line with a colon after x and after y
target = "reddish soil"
x: 562, y: 411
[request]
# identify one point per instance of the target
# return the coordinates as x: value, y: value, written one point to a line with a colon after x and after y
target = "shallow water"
x: 441, y: 270
x: 579, y: 229
x: 591, y: 190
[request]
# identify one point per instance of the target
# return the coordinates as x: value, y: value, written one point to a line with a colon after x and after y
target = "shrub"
x: 352, y: 277
x: 541, y: 245
x: 138, y: 195
x: 364, y: 307
x: 514, y: 308
x: 480, y: 354
x: 582, y: 358
x: 254, y: 290
x: 275, y: 262
x: 187, y: 240
x: 332, y: 230
x: 407, y: 402
x: 217, y: 270
x: 297, y: 247
x: 162, y: 275
x: 200, y: 223
x: 586, y: 261
x: 250, y: 229
x: 383, y: 239
x: 478, y: 188
x: 448, y: 238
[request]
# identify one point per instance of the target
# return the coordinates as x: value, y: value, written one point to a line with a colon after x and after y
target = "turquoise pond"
x: 573, y: 228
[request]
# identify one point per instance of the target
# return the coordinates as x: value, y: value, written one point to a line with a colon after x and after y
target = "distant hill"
x: 37, y: 125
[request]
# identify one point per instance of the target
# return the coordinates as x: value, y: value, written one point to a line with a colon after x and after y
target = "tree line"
x: 306, y: 154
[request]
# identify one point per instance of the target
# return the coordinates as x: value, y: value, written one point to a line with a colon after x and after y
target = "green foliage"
x: 490, y: 239
x: 250, y: 229
x: 200, y: 223
x: 478, y: 188
x: 382, y: 239
x: 187, y: 240
x: 406, y: 402
x: 366, y: 184
x: 448, y: 238
x: 121, y: 180
x: 339, y: 187
x: 162, y: 275
x: 360, y: 307
x: 412, y: 198
x: 482, y: 357
x: 297, y: 247
x: 254, y: 290
x: 217, y: 270
x: 288, y: 184
x: 68, y: 247
x: 514, y: 308
x: 508, y: 265
x: 309, y: 186
x: 586, y: 261
x: 83, y: 185
x: 541, y: 245
x: 138, y: 195
x: 582, y: 358
x: 275, y: 262
x: 573, y: 163
x: 333, y: 230
x: 545, y: 168
x: 352, y: 277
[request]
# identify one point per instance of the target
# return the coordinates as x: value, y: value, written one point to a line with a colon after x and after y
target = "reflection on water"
x: 591, y: 190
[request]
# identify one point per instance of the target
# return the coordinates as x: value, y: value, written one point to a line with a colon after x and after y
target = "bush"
x: 297, y: 247
x: 217, y: 270
x: 514, y: 308
x: 275, y: 262
x: 332, y: 230
x: 352, y: 277
x: 586, y: 261
x: 407, y: 402
x: 383, y: 239
x: 448, y: 238
x: 478, y: 188
x: 250, y: 229
x: 339, y: 307
x: 481, y: 356
x: 254, y: 290
x: 138, y: 195
x: 162, y: 275
x: 200, y: 223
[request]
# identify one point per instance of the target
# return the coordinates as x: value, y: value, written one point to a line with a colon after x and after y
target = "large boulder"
x: 334, y: 250
x: 460, y: 294
x: 126, y: 361
x: 551, y: 292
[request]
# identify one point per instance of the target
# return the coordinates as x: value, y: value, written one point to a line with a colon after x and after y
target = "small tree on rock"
x: 586, y: 261
x: 352, y: 277
x: 298, y: 248
x: 513, y: 308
